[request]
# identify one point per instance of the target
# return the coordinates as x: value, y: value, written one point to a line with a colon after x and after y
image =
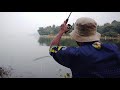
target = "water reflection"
x: 64, y: 41
x: 45, y: 41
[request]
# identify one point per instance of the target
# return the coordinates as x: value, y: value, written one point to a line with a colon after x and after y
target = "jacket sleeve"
x: 62, y: 55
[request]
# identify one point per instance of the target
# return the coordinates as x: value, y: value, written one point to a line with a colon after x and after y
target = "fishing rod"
x: 68, y: 18
x: 66, y: 21
x: 69, y: 27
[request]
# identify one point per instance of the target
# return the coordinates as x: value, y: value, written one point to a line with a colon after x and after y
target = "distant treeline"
x: 50, y: 30
x: 108, y: 29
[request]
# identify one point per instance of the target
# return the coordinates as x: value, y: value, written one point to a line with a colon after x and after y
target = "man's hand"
x: 64, y: 27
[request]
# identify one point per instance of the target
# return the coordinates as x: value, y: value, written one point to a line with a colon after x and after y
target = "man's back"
x: 89, y: 61
x: 92, y: 62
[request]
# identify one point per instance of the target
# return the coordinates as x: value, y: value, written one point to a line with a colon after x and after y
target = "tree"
x: 108, y: 29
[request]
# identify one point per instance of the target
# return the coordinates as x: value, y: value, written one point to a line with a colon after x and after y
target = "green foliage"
x: 112, y: 30
x: 108, y: 29
x: 48, y: 30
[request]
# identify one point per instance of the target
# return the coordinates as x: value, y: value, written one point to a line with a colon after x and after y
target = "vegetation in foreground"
x: 5, y: 72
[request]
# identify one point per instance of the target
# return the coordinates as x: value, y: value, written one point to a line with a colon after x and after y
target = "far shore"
x: 67, y: 36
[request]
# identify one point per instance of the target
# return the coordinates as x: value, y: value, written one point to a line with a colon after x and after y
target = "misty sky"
x: 31, y: 21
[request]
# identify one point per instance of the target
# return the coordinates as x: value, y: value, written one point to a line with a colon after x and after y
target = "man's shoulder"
x: 110, y: 46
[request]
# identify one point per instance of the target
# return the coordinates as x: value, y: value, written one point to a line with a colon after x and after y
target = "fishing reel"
x: 69, y: 27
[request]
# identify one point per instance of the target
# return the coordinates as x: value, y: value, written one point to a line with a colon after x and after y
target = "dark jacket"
x: 88, y: 61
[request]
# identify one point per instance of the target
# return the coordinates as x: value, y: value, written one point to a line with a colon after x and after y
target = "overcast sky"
x: 30, y: 21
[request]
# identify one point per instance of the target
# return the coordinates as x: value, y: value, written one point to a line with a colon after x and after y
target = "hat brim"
x: 79, y: 38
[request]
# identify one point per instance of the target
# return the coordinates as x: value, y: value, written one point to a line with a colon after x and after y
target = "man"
x: 92, y: 59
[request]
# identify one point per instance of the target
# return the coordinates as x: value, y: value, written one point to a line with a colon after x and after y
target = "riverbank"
x: 53, y: 36
x: 67, y: 36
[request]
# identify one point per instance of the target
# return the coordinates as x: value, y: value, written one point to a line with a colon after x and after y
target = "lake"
x: 26, y: 55
x: 18, y: 52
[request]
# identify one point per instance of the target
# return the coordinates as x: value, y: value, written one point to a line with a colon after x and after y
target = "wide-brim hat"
x: 85, y: 30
